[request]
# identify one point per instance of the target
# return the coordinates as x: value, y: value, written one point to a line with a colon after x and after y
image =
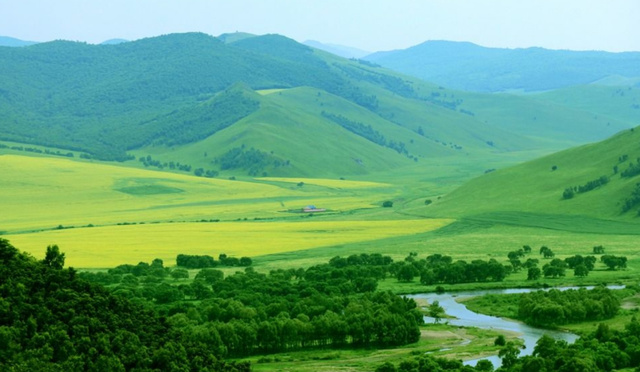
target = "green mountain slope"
x: 621, y: 101
x: 535, y: 191
x: 468, y: 66
x: 265, y: 104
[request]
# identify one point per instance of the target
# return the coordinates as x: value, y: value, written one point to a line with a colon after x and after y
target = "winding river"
x: 467, y: 318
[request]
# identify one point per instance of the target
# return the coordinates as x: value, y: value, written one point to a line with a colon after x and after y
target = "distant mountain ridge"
x: 467, y: 66
x: 339, y: 50
x: 13, y: 42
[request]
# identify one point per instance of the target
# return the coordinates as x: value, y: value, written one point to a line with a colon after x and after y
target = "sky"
x: 371, y: 25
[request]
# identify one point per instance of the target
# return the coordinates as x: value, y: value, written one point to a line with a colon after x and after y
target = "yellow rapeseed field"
x: 43, y: 193
x: 99, y: 247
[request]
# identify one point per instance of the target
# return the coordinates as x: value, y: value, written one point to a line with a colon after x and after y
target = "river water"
x: 467, y: 318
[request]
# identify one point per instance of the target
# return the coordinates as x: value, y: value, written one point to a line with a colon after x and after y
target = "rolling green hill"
x: 603, y: 180
x: 243, y: 104
x: 467, y: 66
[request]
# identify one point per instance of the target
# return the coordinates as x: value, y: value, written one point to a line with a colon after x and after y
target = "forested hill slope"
x: 600, y: 180
x: 466, y: 66
x: 50, y: 320
x: 251, y: 104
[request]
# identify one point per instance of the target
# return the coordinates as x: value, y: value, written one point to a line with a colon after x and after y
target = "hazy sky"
x: 372, y: 25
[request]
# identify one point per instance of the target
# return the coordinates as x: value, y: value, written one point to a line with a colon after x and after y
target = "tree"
x: 500, y: 341
x: 598, y: 249
x: 581, y: 271
x: 436, y: 311
x: 179, y: 273
x: 534, y: 273
x: 568, y: 193
x: 210, y: 276
x: 406, y: 272
x: 387, y: 204
x: 509, y: 354
x: 54, y: 258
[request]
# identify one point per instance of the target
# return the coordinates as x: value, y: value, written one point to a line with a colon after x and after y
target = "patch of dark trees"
x: 632, y: 200
x: 254, y: 161
x: 53, y: 320
x: 632, y: 170
x: 554, y: 307
x: 204, y: 261
x: 437, y: 269
x: 335, y: 304
x: 38, y: 151
x: 367, y: 132
x: 570, y: 192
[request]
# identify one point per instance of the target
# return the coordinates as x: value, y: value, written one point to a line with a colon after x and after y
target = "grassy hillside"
x: 191, y: 99
x: 534, y: 192
x: 467, y: 66
x: 621, y: 101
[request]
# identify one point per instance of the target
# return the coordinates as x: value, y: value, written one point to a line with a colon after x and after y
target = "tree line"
x: 202, y: 261
x: 334, y: 304
x: 570, y: 192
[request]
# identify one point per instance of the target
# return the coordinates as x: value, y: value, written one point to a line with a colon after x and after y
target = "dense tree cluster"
x: 367, y: 132
x: 51, y: 320
x: 591, y: 185
x: 254, y: 161
x: 632, y: 170
x: 202, y: 261
x: 334, y: 304
x: 555, y: 307
x: 614, y: 262
x: 437, y: 269
x: 633, y: 200
x: 148, y: 161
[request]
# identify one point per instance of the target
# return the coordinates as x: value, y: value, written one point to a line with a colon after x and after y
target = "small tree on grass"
x: 387, y: 204
x: 534, y: 273
x: 581, y: 271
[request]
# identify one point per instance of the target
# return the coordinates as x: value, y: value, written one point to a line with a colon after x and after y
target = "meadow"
x: 43, y: 193
x: 103, y: 215
x: 109, y: 246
